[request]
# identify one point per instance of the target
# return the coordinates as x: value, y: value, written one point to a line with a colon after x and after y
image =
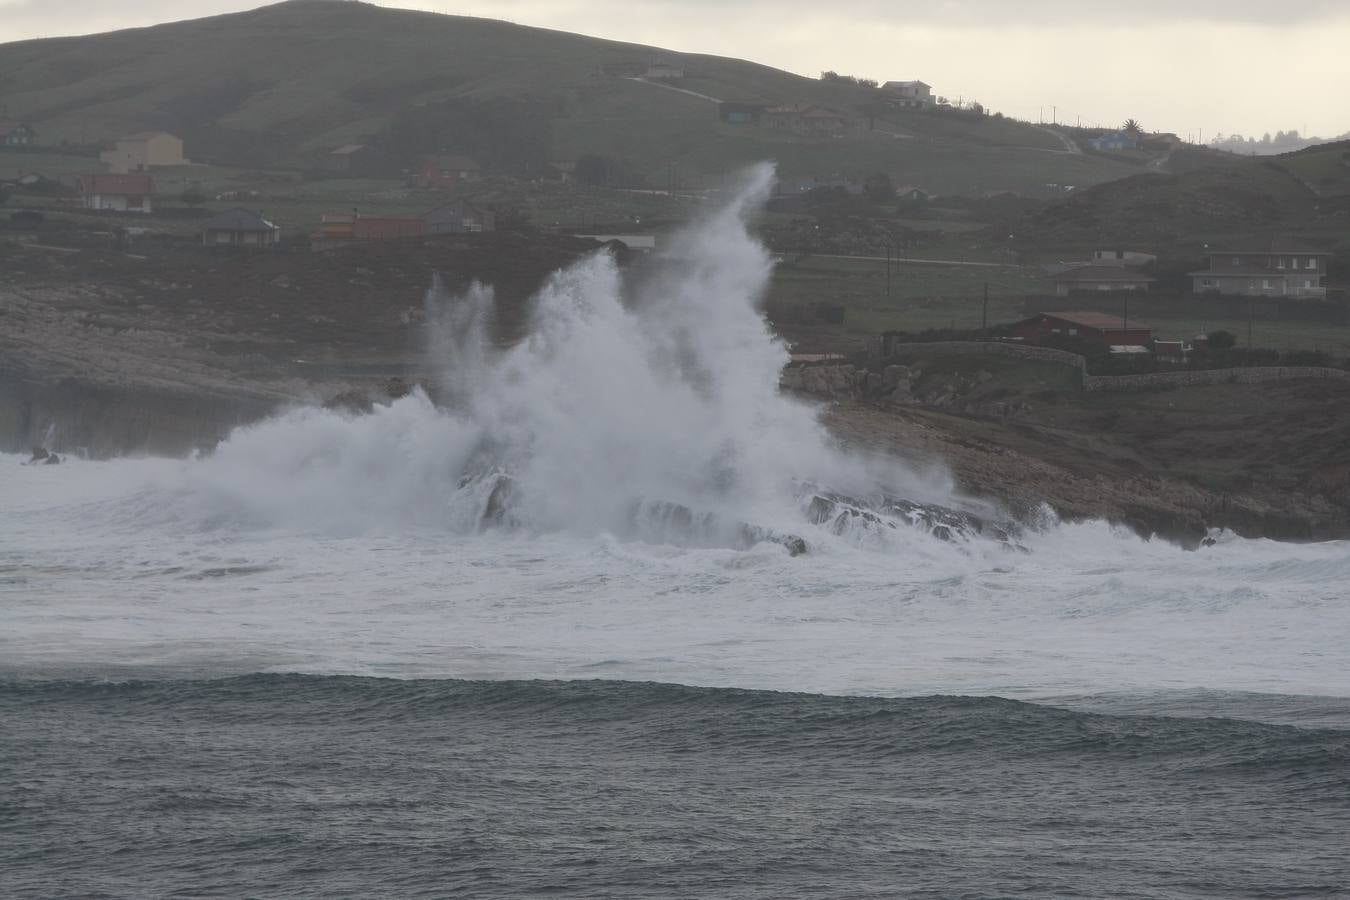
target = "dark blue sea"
x: 306, y: 786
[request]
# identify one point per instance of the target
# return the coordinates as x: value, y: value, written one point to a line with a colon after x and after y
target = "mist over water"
x: 610, y: 498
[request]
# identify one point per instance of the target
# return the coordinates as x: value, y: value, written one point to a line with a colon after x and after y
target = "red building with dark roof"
x: 1089, y: 326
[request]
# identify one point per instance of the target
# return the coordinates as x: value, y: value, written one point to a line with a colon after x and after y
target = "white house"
x: 910, y: 94
x: 119, y: 193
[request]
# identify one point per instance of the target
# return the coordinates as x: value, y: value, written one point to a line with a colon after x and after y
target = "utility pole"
x: 1250, y: 305
x: 888, y: 268
x: 984, y: 316
x: 1125, y: 319
x: 1054, y: 115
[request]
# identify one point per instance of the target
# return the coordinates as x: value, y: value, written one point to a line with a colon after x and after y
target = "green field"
x: 278, y: 85
x: 924, y: 297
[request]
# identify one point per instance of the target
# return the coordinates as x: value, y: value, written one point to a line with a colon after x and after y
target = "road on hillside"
x: 669, y: 87
x: 1068, y: 142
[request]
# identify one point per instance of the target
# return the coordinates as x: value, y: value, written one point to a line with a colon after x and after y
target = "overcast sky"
x: 1246, y: 66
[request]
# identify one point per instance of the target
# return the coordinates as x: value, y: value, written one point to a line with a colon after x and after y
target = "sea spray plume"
x: 642, y: 405
x: 459, y: 340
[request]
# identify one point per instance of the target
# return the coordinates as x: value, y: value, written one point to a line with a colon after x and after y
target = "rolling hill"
x: 286, y: 83
x: 1303, y: 195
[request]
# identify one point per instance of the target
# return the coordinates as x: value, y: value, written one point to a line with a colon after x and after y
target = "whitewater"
x: 519, y: 526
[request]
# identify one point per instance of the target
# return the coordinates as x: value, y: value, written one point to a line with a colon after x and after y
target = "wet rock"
x: 39, y: 454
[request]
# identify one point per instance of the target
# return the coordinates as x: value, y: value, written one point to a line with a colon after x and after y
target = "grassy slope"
x: 307, y: 75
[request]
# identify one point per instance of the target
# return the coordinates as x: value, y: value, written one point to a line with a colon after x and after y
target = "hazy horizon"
x: 1187, y: 71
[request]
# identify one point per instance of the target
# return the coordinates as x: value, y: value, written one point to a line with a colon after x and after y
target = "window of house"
x: 1265, y: 284
x: 1073, y: 332
x: 135, y: 202
x: 1307, y: 282
x: 1279, y: 263
x: 1237, y: 260
x: 1312, y: 263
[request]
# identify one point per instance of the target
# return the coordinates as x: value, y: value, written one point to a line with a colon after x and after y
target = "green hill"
x: 1303, y: 195
x: 284, y: 84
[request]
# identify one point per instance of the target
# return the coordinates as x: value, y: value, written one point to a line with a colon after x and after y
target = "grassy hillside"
x: 285, y: 83
x: 1304, y: 195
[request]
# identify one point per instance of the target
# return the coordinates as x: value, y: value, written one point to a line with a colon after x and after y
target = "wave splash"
x: 644, y: 404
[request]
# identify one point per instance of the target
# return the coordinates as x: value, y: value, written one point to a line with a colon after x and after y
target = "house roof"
x: 891, y: 85
x: 238, y: 219
x: 7, y: 126
x: 805, y: 110
x: 463, y: 163
x: 1271, y: 245
x: 348, y: 149
x: 1122, y: 274
x: 117, y: 185
x: 1096, y: 320
x: 1255, y: 272
x: 146, y: 135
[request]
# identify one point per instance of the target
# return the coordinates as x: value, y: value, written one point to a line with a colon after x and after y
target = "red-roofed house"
x: 1089, y: 326
x: 447, y: 171
x: 123, y: 193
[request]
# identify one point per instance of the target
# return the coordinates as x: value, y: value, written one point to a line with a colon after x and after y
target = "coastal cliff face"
x: 1261, y: 459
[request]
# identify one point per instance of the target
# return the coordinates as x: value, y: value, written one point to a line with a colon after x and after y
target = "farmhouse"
x: 1100, y: 278
x: 664, y: 71
x: 1110, y: 331
x: 447, y: 171
x: 806, y: 120
x: 740, y: 113
x: 459, y: 217
x: 240, y: 228
x: 908, y: 94
x: 1122, y: 257
x: 120, y: 193
x: 352, y: 159
x: 1116, y: 140
x: 16, y: 134
x: 1275, y: 271
x: 144, y: 151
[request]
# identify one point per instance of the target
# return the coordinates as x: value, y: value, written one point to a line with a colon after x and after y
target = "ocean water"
x: 544, y: 637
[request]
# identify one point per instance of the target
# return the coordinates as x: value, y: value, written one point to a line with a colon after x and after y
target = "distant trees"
x: 878, y: 188
x: 1222, y: 340
x: 836, y: 78
x: 4, y: 196
x: 593, y: 169
x: 192, y: 196
x: 1131, y: 126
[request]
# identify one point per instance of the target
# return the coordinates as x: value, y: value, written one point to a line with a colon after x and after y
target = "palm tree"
x: 1131, y: 126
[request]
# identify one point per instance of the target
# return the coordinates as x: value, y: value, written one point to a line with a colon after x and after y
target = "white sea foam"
x: 328, y: 542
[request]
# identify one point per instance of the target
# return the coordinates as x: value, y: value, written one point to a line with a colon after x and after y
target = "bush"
x: 1222, y: 340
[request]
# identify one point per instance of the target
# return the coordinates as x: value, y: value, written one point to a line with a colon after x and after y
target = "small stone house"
x: 240, y: 228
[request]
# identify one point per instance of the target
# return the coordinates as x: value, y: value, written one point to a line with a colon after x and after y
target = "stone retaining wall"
x: 1187, y: 378
x: 1252, y: 375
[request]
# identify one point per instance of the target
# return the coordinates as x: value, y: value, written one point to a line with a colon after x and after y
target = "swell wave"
x: 725, y: 718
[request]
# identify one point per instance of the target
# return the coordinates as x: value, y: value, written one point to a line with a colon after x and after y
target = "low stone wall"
x: 995, y: 348
x: 1188, y: 378
x: 1200, y: 377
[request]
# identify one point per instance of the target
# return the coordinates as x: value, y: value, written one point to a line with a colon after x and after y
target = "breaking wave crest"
x: 643, y: 404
